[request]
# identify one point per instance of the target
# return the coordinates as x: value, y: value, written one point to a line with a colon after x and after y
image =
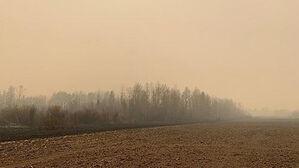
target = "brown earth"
x: 227, y: 144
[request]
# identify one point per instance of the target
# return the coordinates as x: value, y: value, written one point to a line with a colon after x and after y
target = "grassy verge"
x: 13, y: 134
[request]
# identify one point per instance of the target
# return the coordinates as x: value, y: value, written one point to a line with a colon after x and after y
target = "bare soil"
x: 253, y: 144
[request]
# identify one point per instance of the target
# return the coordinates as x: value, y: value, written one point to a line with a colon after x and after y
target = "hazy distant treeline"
x: 138, y: 104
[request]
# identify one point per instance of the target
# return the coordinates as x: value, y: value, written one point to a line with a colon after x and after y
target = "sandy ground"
x: 228, y: 144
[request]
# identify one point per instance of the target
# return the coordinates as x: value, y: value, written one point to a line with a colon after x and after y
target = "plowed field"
x: 225, y: 144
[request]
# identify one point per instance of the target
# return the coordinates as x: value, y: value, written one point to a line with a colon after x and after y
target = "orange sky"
x: 245, y: 50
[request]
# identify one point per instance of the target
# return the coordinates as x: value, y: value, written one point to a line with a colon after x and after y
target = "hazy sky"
x: 247, y: 50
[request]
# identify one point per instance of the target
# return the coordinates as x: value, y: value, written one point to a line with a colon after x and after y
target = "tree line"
x: 148, y: 103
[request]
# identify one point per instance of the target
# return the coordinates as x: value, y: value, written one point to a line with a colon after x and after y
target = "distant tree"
x: 140, y: 103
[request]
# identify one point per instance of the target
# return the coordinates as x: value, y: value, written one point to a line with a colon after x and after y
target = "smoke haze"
x: 244, y: 50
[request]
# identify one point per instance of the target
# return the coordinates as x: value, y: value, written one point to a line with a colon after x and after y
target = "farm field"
x: 261, y: 143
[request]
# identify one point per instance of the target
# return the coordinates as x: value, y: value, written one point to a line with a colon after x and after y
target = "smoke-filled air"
x: 149, y: 83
